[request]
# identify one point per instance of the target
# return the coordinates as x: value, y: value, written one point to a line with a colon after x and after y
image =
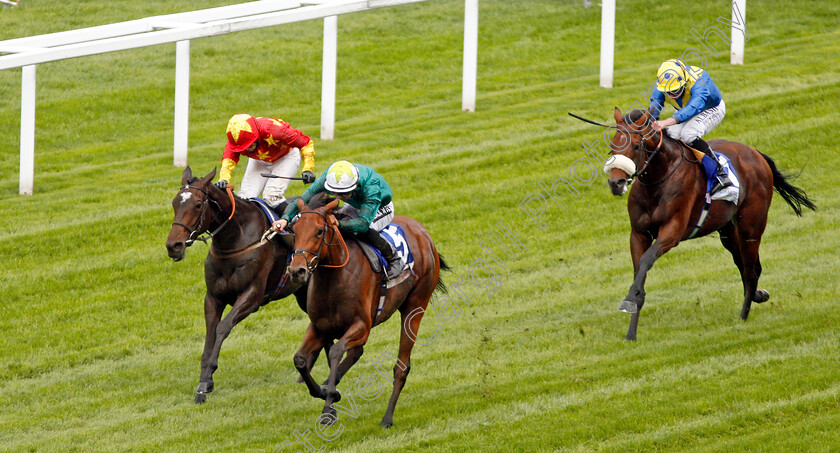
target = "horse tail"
x: 440, y: 286
x: 794, y: 196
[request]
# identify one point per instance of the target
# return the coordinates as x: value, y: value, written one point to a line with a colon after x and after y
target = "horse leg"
x: 212, y: 314
x: 752, y: 270
x: 639, y: 242
x: 350, y: 359
x: 750, y: 229
x: 403, y: 366
x: 305, y: 358
x: 667, y: 238
x: 310, y: 361
x: 353, y: 340
x: 730, y: 240
x: 247, y: 303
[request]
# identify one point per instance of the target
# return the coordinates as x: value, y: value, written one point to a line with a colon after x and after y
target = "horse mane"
x: 320, y: 199
x: 633, y: 116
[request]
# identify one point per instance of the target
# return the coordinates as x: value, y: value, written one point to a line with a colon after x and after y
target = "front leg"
x: 247, y: 303
x: 640, y: 242
x: 351, y: 342
x: 305, y: 358
x: 212, y: 314
x: 668, y: 238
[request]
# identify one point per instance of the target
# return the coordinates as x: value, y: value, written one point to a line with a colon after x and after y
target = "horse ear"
x: 331, y: 205
x: 185, y: 178
x: 210, y: 175
x: 619, y: 119
x: 301, y: 205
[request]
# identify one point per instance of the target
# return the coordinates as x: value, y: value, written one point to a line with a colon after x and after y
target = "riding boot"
x: 395, y: 264
x: 723, y: 180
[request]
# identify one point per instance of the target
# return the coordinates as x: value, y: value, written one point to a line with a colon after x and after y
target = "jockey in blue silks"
x: 699, y: 108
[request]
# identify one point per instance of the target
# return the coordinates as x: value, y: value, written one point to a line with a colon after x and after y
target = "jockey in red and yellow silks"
x: 272, y: 146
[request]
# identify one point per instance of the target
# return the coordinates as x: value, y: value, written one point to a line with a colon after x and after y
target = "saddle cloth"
x: 730, y: 193
x: 394, y: 234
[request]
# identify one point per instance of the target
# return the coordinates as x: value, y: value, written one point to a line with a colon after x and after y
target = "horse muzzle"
x: 297, y: 274
x: 176, y: 250
x: 618, y: 187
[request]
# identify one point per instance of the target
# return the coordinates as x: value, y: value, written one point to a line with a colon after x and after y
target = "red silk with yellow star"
x: 275, y: 140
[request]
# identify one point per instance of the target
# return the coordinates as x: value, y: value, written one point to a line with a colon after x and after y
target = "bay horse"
x: 666, y: 204
x: 343, y: 299
x: 242, y: 268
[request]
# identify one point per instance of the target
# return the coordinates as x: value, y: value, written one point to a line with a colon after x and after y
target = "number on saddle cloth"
x: 395, y: 235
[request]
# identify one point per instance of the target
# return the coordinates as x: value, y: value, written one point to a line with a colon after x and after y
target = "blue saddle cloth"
x: 711, y: 169
x: 394, y: 234
x: 266, y: 209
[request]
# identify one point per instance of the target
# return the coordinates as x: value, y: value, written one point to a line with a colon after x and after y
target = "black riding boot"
x: 395, y: 263
x: 723, y: 180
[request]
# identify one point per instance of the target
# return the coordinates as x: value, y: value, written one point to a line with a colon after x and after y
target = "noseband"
x: 316, y: 256
x: 197, y: 229
x: 643, y: 153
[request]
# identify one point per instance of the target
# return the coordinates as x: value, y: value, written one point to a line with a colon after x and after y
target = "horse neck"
x: 335, y: 253
x: 663, y: 163
x: 238, y: 229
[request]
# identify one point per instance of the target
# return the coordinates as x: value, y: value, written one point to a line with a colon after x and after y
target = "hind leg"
x: 411, y: 315
x: 750, y: 227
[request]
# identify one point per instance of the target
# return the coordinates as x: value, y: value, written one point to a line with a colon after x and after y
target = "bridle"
x: 643, y: 154
x: 316, y: 256
x: 196, y: 230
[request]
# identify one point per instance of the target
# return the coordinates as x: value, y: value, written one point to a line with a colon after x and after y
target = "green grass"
x: 102, y: 333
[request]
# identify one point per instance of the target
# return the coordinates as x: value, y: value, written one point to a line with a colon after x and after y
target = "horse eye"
x: 197, y: 206
x: 319, y: 233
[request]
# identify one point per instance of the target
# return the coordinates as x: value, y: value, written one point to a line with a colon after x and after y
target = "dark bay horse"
x: 666, y: 203
x: 241, y: 270
x: 343, y: 299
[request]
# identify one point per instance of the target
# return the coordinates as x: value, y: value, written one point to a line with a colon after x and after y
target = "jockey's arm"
x: 367, y: 211
x: 307, y: 156
x: 657, y: 102
x: 228, y: 164
x: 292, y: 209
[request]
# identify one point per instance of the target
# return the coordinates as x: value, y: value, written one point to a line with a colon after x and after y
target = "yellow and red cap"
x: 241, y: 132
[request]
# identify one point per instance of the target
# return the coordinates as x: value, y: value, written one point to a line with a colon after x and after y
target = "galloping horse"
x: 343, y: 299
x: 667, y: 202
x: 242, y: 269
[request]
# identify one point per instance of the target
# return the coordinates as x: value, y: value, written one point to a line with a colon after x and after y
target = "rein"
x: 316, y: 256
x: 650, y: 156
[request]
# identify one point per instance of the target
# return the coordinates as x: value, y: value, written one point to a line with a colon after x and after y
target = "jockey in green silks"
x: 364, y: 189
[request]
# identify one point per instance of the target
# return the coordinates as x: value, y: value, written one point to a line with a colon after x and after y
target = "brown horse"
x: 343, y: 299
x: 666, y: 204
x: 242, y: 269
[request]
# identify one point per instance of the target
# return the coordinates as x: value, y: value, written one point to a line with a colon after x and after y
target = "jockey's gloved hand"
x: 308, y: 177
x: 222, y: 184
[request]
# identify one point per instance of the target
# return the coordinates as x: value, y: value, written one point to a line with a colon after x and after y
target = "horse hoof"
x: 761, y: 296
x: 200, y: 398
x: 628, y: 307
x: 328, y: 417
